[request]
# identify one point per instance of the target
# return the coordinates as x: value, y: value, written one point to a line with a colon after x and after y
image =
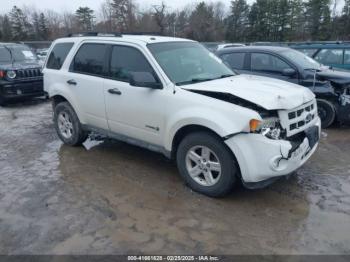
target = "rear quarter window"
x: 58, y: 55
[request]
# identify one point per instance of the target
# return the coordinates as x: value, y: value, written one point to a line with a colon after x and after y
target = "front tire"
x: 326, y: 112
x: 206, y: 164
x: 68, y: 126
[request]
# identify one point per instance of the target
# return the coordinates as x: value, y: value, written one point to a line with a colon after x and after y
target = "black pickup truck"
x: 20, y: 73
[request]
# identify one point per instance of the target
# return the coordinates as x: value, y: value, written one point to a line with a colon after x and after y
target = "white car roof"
x: 141, y: 39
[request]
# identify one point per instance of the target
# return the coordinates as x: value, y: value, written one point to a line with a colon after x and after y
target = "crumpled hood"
x: 337, y: 76
x: 269, y: 93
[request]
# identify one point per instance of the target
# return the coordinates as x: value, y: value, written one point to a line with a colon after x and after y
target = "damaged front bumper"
x: 261, y: 159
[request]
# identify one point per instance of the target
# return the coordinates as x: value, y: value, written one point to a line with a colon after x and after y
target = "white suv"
x: 173, y: 96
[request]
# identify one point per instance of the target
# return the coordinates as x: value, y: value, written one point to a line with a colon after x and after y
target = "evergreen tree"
x: 36, y: 29
x: 43, y: 27
x: 201, y: 23
x: 296, y: 20
x: 124, y: 14
x: 19, y: 24
x: 85, y: 18
x: 318, y: 19
x: 237, y: 22
x: 6, y: 29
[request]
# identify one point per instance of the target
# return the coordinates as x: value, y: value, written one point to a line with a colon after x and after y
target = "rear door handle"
x: 72, y: 82
x: 114, y: 91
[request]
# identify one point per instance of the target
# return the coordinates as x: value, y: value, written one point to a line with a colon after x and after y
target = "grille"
x: 298, y: 119
x: 26, y: 73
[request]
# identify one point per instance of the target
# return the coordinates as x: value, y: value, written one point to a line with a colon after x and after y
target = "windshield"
x: 188, y: 62
x: 301, y: 59
x: 20, y: 53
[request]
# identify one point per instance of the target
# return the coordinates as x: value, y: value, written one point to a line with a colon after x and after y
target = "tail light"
x: 2, y: 74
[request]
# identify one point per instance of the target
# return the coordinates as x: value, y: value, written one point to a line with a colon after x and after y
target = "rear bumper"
x: 262, y: 159
x: 14, y: 90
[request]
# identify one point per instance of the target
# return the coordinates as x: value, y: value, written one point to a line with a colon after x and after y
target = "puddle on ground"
x: 112, y: 198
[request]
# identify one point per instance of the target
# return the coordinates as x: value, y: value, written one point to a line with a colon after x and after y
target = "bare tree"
x: 159, y: 14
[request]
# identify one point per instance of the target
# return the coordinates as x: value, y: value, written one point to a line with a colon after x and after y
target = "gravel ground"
x: 112, y: 198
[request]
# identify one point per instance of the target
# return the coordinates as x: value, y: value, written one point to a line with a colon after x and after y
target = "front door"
x: 264, y: 64
x: 133, y: 111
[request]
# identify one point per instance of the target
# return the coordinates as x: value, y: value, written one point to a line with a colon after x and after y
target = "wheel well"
x: 184, y: 131
x: 56, y: 100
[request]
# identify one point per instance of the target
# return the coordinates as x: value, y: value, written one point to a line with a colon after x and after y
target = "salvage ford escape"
x: 173, y: 96
x: 20, y: 73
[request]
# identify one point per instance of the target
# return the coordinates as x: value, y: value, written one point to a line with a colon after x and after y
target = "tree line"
x: 264, y: 20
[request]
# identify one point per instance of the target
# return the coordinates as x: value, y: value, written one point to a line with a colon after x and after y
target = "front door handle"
x: 114, y: 91
x: 72, y: 82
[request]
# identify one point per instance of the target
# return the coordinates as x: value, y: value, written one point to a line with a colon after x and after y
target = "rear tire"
x: 326, y: 112
x: 68, y: 126
x: 202, y: 157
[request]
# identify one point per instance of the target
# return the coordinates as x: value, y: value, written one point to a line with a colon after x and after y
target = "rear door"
x: 85, y: 81
x: 265, y: 64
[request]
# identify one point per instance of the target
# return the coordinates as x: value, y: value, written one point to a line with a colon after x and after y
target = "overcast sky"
x: 72, y: 5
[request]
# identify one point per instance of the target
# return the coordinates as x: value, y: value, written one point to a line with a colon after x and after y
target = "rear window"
x: 58, y: 55
x: 90, y: 60
x: 234, y: 60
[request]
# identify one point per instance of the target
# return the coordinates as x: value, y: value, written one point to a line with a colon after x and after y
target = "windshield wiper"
x: 225, y: 76
x: 194, y: 80
x: 198, y: 80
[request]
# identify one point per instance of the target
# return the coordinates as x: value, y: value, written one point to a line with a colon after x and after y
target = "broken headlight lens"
x: 269, y: 127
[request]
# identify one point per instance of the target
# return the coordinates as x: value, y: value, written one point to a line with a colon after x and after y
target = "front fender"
x: 222, y: 123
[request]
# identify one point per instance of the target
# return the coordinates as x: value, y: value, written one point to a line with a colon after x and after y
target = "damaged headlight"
x: 269, y: 127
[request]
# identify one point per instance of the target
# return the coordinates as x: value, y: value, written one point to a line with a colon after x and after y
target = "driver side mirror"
x: 289, y: 72
x: 144, y: 79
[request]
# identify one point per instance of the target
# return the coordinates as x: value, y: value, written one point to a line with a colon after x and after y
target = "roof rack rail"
x: 320, y: 43
x: 106, y: 34
x: 143, y: 33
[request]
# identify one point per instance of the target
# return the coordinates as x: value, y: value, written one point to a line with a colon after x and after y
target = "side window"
x: 234, y: 60
x: 126, y: 61
x: 90, y: 60
x: 330, y: 56
x: 347, y: 57
x: 267, y: 63
x: 58, y: 55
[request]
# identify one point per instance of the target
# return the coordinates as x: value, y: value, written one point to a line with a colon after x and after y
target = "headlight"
x: 268, y: 127
x: 11, y: 74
